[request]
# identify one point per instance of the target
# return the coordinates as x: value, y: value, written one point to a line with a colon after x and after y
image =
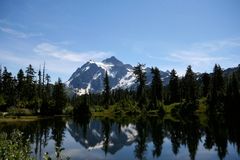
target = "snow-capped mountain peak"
x: 89, y: 77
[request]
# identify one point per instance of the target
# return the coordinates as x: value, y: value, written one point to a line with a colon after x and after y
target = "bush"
x: 19, y: 111
x: 13, y: 146
x: 68, y: 110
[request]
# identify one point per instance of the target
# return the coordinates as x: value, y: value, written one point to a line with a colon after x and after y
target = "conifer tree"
x: 0, y: 80
x: 20, y: 84
x: 30, y: 83
x: 232, y: 95
x: 141, y: 80
x: 59, y: 97
x: 40, y: 88
x: 205, y: 84
x: 190, y: 87
x: 106, y: 90
x: 8, y: 87
x: 174, y: 87
x: 217, y: 91
x: 156, y: 87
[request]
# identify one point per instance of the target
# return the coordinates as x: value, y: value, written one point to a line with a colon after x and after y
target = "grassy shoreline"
x: 111, y: 112
x: 27, y: 118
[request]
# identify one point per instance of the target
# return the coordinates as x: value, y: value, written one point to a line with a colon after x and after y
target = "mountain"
x: 89, y: 77
x: 229, y: 71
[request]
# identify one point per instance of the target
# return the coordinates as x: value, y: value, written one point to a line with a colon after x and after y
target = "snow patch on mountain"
x: 127, y: 81
x: 89, y: 77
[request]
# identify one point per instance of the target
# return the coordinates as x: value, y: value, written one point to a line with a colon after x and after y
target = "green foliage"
x: 190, y: 87
x: 19, y: 111
x: 156, y: 88
x: 13, y: 146
x: 2, y: 101
x: 106, y: 91
x: 140, y: 74
x: 205, y: 84
x: 217, y: 91
x: 68, y: 110
x: 173, y: 87
x: 59, y: 97
x: 81, y: 106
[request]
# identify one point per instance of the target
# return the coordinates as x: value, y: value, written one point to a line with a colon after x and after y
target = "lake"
x: 198, y: 137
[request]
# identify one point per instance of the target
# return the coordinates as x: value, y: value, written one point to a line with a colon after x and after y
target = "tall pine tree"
x: 205, y: 84
x: 156, y: 87
x: 20, y: 84
x: 59, y: 97
x: 217, y: 91
x: 30, y: 83
x: 140, y: 74
x: 106, y: 90
x: 174, y: 87
x: 190, y: 87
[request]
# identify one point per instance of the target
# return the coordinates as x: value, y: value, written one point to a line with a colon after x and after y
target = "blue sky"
x: 163, y: 33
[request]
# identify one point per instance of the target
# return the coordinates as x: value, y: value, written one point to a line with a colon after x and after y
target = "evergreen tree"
x: 233, y: 95
x: 106, y: 90
x: 8, y: 85
x: 20, y: 84
x: 141, y: 79
x: 30, y: 83
x: 48, y: 88
x: 59, y: 97
x: 0, y: 79
x: 217, y: 91
x: 190, y: 87
x: 46, y: 97
x: 156, y: 86
x: 174, y: 87
x: 40, y: 89
x: 2, y: 101
x: 205, y: 84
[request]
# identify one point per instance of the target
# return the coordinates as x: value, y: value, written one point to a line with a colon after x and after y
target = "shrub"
x: 19, y: 111
x: 68, y: 110
x: 13, y: 146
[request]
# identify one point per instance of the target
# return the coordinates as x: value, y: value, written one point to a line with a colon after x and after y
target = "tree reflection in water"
x: 214, y: 132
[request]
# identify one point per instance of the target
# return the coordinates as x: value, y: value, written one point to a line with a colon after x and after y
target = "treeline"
x: 30, y: 92
x: 220, y: 93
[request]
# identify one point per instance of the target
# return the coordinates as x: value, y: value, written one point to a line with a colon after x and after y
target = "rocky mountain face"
x: 89, y: 77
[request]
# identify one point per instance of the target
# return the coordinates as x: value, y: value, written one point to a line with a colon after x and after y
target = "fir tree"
x: 20, y: 84
x: 174, y: 87
x: 0, y: 79
x: 59, y: 97
x: 156, y: 87
x: 8, y: 85
x: 30, y: 83
x: 190, y: 87
x: 141, y: 80
x: 217, y: 91
x: 106, y: 90
x: 205, y: 84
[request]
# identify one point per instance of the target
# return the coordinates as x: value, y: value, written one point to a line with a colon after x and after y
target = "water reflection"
x: 196, y: 137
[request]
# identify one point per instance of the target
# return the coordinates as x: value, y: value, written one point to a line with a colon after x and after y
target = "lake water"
x: 129, y: 138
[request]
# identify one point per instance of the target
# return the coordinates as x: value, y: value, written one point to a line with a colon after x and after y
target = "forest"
x: 31, y: 93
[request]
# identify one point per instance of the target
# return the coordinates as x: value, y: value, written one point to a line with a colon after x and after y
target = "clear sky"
x: 163, y: 33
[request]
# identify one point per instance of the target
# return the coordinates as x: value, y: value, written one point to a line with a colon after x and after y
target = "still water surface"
x: 133, y: 138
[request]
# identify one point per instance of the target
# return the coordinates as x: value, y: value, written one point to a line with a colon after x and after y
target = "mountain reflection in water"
x: 196, y: 137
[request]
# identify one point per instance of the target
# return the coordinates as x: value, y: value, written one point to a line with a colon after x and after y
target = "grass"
x: 11, y: 118
x: 168, y: 108
x: 20, y: 118
x: 202, y: 108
